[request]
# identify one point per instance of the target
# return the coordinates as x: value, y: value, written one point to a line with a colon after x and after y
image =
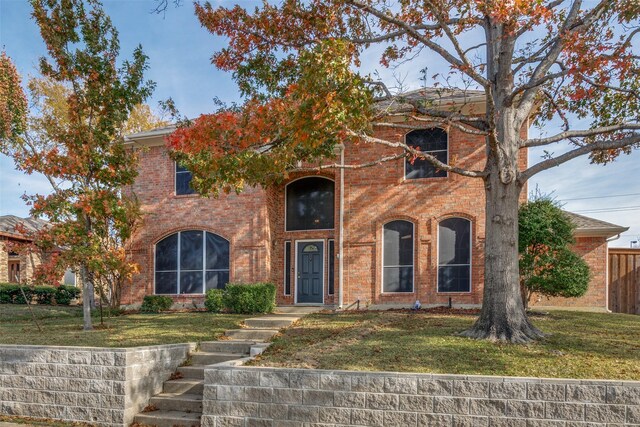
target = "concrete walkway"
x: 180, y: 403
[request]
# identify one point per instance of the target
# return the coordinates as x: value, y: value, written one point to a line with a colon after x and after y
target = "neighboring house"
x: 592, y: 238
x: 14, y: 232
x: 389, y: 234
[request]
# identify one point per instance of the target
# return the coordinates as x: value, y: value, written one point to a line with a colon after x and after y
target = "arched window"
x: 310, y: 204
x: 433, y: 141
x: 191, y: 262
x: 454, y: 255
x: 397, y: 257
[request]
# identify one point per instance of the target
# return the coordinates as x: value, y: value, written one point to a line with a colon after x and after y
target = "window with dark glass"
x: 310, y: 204
x: 287, y: 268
x: 397, y: 257
x: 191, y: 262
x: 183, y: 180
x: 454, y: 255
x: 331, y: 269
x: 432, y: 141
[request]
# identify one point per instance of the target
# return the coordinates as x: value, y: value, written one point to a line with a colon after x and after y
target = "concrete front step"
x: 192, y: 372
x: 270, y: 322
x: 184, y: 386
x: 206, y: 358
x: 169, y: 419
x: 251, y: 334
x: 243, y: 347
x: 177, y: 402
x: 298, y: 310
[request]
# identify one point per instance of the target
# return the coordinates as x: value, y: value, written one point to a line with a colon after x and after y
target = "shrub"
x: 65, y: 294
x: 44, y: 294
x: 7, y: 292
x: 213, y: 300
x: 19, y: 296
x: 250, y: 298
x: 156, y: 303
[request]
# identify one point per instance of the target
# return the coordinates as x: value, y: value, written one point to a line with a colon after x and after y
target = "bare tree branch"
x: 420, y: 154
x: 537, y: 142
x: 571, y: 24
x: 570, y: 155
x: 440, y: 50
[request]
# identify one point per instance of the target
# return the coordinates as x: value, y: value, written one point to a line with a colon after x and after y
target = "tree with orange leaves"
x: 298, y: 67
x: 75, y: 138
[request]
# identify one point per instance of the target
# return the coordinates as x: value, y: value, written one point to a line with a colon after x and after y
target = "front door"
x: 310, y: 272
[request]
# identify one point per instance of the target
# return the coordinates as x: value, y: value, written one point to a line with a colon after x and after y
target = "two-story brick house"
x: 396, y: 232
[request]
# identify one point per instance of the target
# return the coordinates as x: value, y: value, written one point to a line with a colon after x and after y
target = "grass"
x: 32, y: 422
x: 63, y: 326
x: 579, y: 345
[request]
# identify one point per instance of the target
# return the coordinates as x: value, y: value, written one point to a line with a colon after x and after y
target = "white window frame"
x: 413, y: 258
x: 404, y: 168
x: 454, y: 265
x: 179, y: 270
x: 286, y: 202
x: 175, y: 181
x: 334, y: 267
x: 287, y: 272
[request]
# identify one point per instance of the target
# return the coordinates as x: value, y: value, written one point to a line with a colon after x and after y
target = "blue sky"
x: 180, y: 50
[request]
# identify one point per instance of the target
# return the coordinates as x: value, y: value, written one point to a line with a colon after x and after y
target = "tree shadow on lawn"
x: 121, y: 331
x: 582, y: 345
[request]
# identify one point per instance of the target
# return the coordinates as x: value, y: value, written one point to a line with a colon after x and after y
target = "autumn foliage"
x: 300, y: 68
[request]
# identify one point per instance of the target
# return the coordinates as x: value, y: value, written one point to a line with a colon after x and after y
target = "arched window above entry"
x: 433, y: 141
x: 454, y: 255
x: 310, y: 204
x: 191, y: 262
x: 397, y: 256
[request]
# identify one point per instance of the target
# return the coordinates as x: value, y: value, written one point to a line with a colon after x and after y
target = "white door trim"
x: 296, y: 269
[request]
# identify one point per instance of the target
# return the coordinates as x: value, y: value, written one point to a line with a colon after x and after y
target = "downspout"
x: 341, y: 233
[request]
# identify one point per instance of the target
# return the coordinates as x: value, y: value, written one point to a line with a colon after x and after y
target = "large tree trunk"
x: 87, y: 297
x: 503, y: 316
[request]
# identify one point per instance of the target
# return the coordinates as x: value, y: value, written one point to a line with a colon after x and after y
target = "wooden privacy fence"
x: 624, y: 280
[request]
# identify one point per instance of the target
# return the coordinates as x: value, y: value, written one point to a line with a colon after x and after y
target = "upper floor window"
x: 191, y: 262
x: 454, y: 255
x: 183, y: 180
x: 433, y: 141
x: 397, y: 257
x: 310, y: 204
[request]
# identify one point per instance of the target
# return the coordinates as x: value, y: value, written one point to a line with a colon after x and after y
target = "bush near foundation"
x: 156, y: 303
x: 214, y: 300
x: 44, y: 294
x: 10, y: 293
x: 65, y: 294
x: 250, y: 298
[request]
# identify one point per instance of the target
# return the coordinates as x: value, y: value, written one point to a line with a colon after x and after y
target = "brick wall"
x: 241, y: 219
x: 100, y: 386
x: 254, y: 222
x: 4, y: 263
x: 239, y: 396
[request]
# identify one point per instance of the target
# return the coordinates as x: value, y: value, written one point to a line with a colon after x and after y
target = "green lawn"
x: 63, y: 326
x: 580, y: 345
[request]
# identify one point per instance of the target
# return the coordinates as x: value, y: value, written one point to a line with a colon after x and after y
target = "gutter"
x: 341, y: 233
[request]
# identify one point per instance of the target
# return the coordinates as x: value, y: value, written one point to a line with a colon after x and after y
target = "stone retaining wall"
x: 100, y: 386
x: 250, y: 396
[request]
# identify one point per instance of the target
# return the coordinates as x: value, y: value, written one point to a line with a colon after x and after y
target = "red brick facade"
x: 254, y: 224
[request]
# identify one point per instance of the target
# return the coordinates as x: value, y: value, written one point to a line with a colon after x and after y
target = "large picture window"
x: 183, y: 180
x: 310, y: 204
x: 454, y: 255
x: 432, y: 141
x: 397, y: 254
x: 191, y: 262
